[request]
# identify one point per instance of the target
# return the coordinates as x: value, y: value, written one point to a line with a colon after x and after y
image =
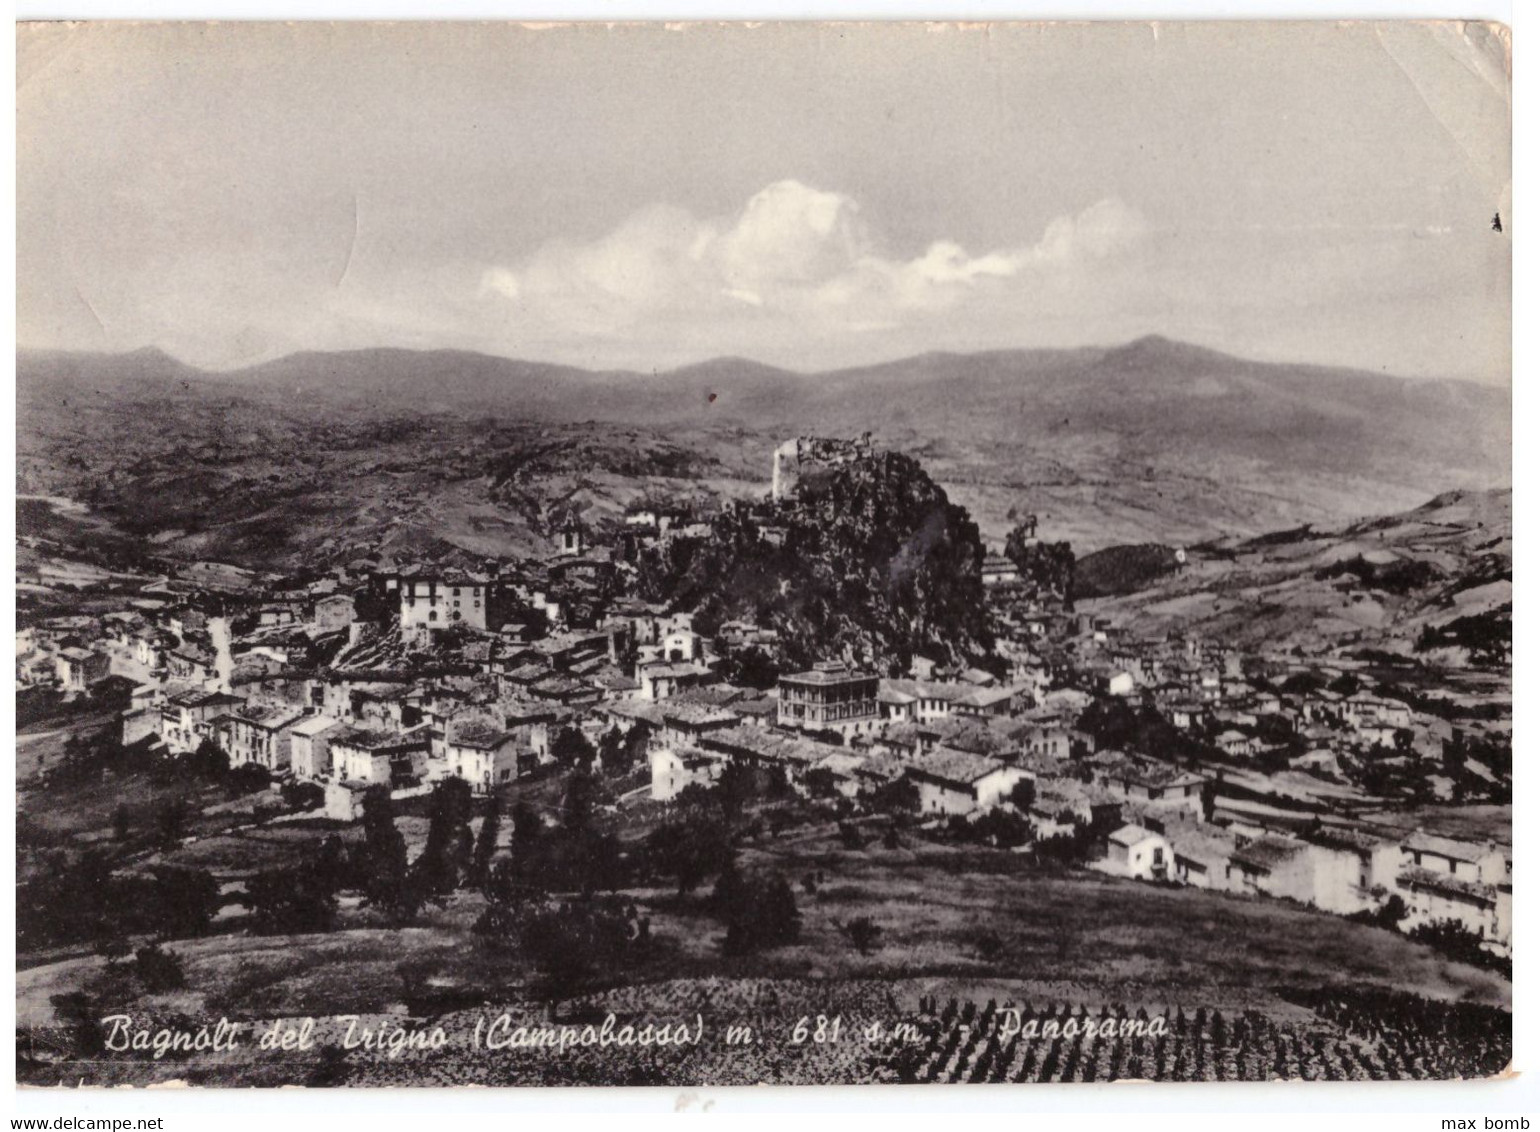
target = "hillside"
x: 1151, y: 442
x: 1150, y: 394
x: 1068, y: 938
x: 1122, y: 569
x: 1432, y: 585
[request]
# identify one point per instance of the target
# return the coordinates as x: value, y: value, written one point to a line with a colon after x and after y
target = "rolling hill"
x: 1432, y: 586
x: 1152, y: 441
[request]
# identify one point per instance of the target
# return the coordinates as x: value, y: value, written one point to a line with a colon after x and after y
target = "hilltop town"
x: 1314, y: 721
x: 683, y: 557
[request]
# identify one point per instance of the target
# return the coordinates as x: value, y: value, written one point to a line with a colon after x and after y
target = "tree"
x: 82, y: 1014
x: 171, y: 820
x: 527, y: 826
x: 386, y: 881
x: 72, y: 900
x: 292, y: 901
x: 585, y: 859
x: 1024, y: 794
x: 730, y: 890
x: 575, y: 945
x: 1304, y: 683
x: 331, y: 863
x: 184, y: 902
x: 1454, y: 939
x: 580, y: 799
x: 486, y: 840
x: 616, y: 756
x: 757, y: 913
x: 689, y: 849
x: 248, y: 778
x: 863, y: 934
x: 303, y: 795
x: 1346, y: 684
x: 446, y: 857
x: 752, y: 668
x: 120, y: 822
x: 1208, y: 794
x: 737, y: 785
x: 820, y: 782
x: 1454, y: 756
x: 897, y: 796
x: 1394, y: 910
x: 781, y: 921
x: 1388, y: 915
x: 571, y: 748
x: 158, y: 970
x: 113, y: 947
x: 513, y: 882
x: 1002, y: 828
x: 698, y: 800
x: 210, y: 760
x: 1048, y: 566
x: 989, y: 946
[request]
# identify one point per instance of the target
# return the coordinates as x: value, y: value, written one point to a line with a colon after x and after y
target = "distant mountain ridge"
x: 465, y: 379
x: 1149, y: 441
x: 1149, y: 393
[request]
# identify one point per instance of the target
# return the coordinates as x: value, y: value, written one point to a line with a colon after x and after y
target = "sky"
x: 810, y: 196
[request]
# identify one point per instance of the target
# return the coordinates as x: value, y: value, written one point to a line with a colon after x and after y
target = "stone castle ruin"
x: 805, y: 454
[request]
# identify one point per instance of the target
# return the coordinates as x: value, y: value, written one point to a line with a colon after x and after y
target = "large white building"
x: 831, y: 696
x: 439, y: 601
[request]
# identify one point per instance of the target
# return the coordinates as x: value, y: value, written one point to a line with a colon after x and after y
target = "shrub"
x: 285, y: 901
x: 158, y: 970
x: 863, y: 933
x: 989, y: 946
x: 248, y: 778
x: 303, y: 795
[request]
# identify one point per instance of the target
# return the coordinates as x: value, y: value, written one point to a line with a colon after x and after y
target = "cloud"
x: 1108, y: 228
x: 804, y: 256
x: 787, y: 236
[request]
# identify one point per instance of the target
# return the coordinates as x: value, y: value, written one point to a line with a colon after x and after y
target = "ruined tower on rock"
x: 797, y: 458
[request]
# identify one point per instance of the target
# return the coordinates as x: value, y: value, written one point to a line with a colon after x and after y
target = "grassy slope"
x: 1274, y: 594
x: 1073, y: 937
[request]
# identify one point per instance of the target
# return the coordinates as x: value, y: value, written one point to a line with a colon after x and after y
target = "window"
x: 433, y: 616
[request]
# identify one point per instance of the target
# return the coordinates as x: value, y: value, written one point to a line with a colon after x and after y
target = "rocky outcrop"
x: 871, y: 561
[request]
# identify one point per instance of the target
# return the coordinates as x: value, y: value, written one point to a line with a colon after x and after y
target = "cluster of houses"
x: 1344, y: 869
x: 377, y: 673
x: 1202, y: 687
